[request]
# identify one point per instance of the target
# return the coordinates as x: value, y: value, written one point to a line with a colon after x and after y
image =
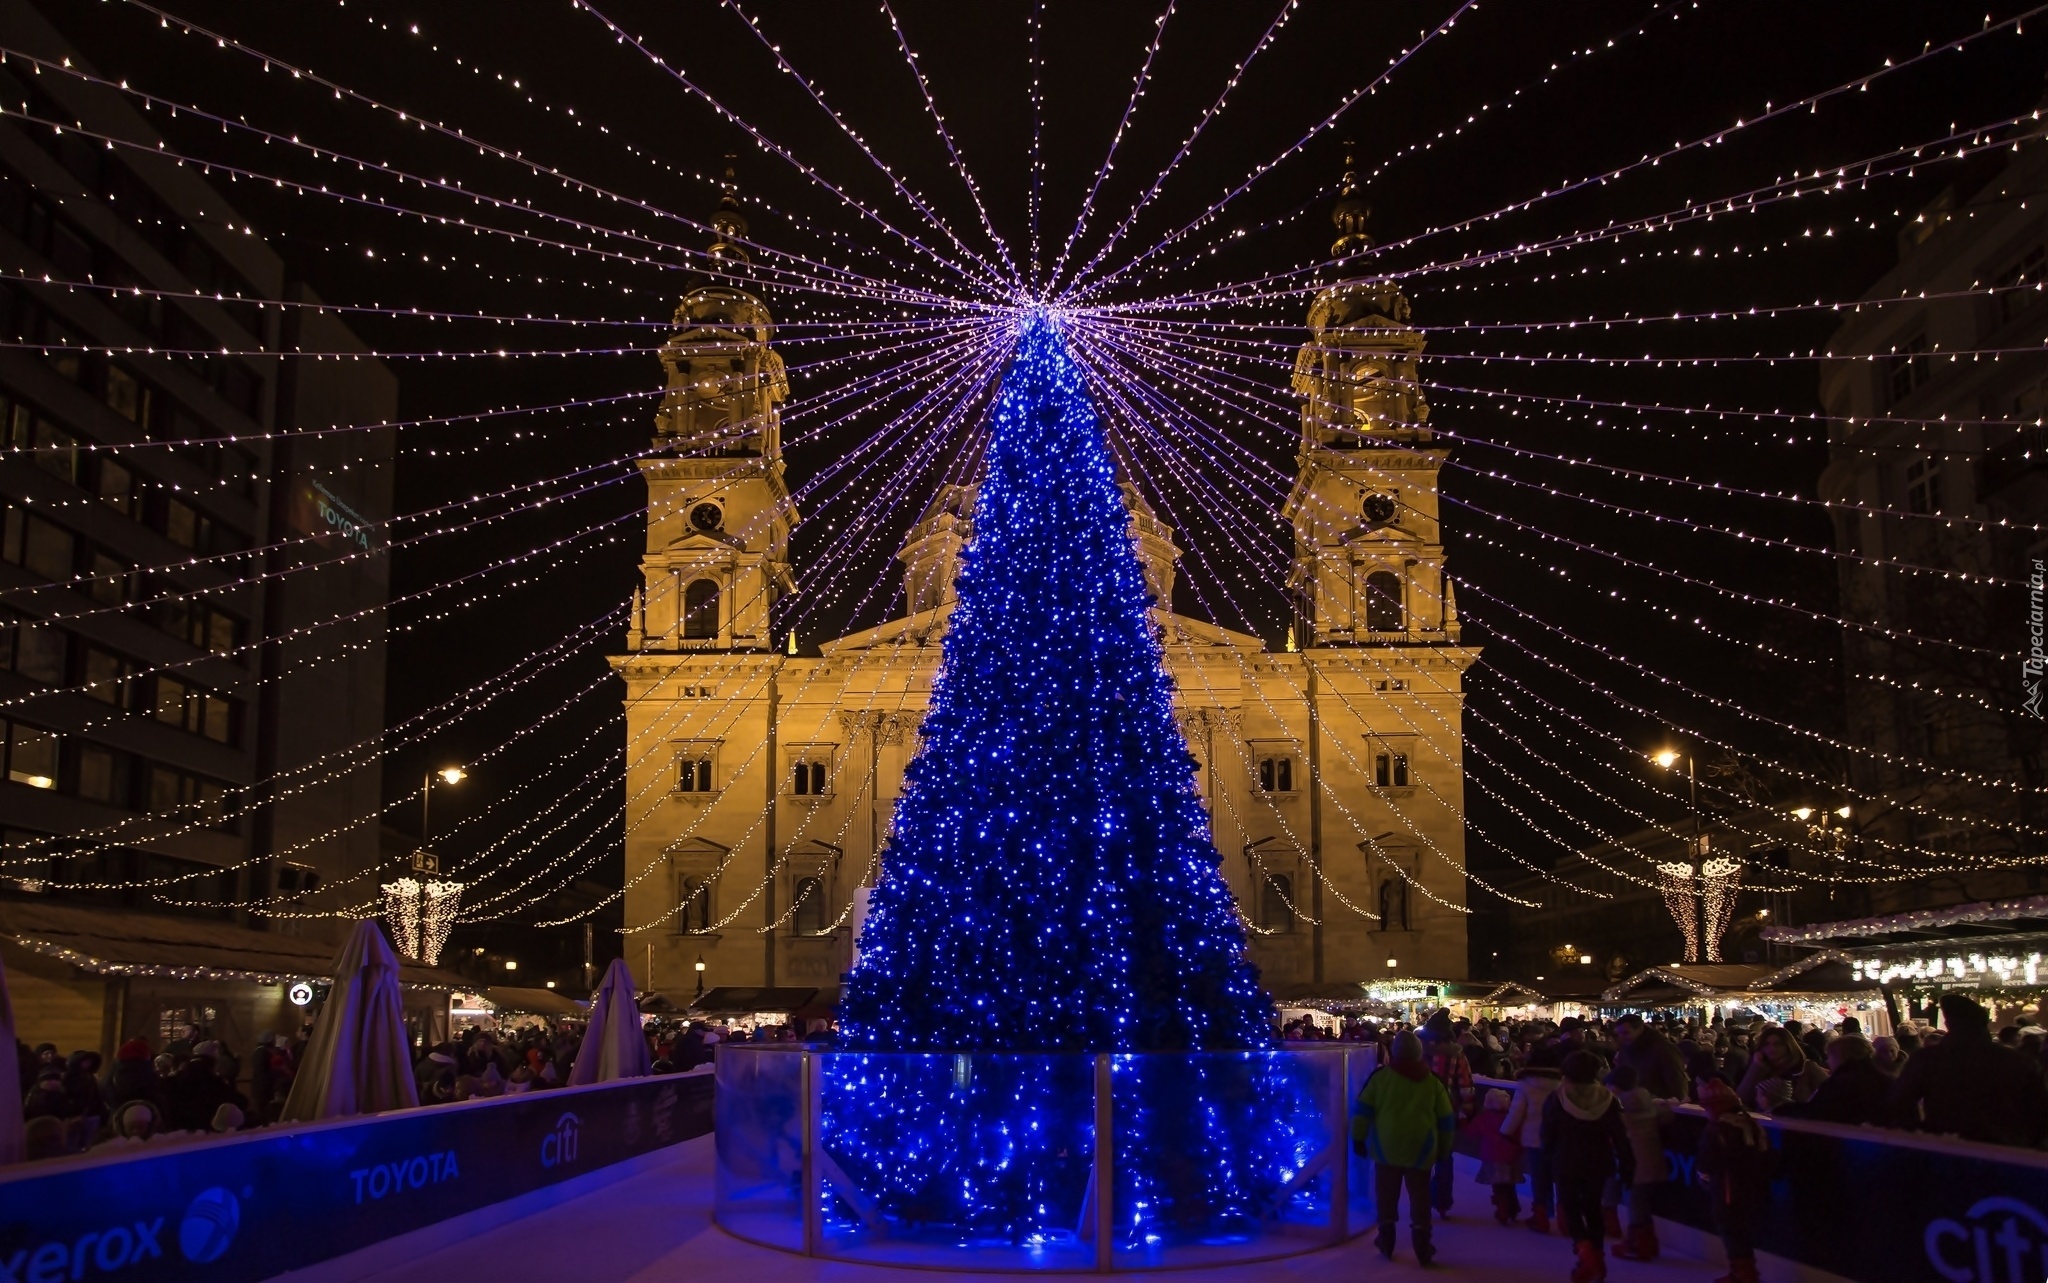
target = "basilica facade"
x: 761, y: 783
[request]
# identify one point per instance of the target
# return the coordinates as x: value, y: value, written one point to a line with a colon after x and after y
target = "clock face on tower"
x: 1379, y: 508
x: 707, y: 517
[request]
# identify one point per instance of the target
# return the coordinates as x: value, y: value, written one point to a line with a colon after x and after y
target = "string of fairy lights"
x: 896, y: 310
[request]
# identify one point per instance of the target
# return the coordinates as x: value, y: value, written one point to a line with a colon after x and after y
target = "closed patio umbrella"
x: 613, y: 1045
x: 11, y: 1149
x: 357, y: 1061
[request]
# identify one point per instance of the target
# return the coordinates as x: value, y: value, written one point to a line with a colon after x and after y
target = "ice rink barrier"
x: 256, y: 1204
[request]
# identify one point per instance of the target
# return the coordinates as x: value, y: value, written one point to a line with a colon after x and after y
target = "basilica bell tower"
x: 1368, y: 553
x: 719, y: 515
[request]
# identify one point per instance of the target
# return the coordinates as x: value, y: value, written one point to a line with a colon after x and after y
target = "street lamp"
x: 1668, y: 758
x: 449, y: 775
x: 700, y: 975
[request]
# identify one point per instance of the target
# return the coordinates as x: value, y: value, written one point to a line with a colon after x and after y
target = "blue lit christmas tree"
x: 1050, y: 883
x: 1050, y: 886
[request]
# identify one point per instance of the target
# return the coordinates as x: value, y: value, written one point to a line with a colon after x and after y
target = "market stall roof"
x: 1993, y: 922
x: 539, y: 1002
x: 1826, y: 972
x: 113, y: 942
x: 735, y: 1000
x: 1686, y: 980
x: 1509, y: 994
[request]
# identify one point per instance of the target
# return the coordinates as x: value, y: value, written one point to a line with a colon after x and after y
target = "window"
x: 1383, y: 602
x: 35, y: 650
x: 693, y: 770
x: 127, y: 396
x: 1276, y: 774
x: 2019, y: 286
x: 196, y: 623
x: 116, y: 486
x: 103, y: 775
x: 32, y: 755
x: 190, y: 708
x: 1390, y: 770
x: 172, y: 790
x: 1393, y: 903
x: 700, y: 610
x: 185, y: 525
x: 109, y: 678
x: 807, y: 913
x: 1276, y: 902
x: 1923, y: 485
x: 295, y: 880
x: 1909, y: 367
x: 810, y: 770
x: 40, y: 547
x: 110, y: 580
x: 56, y: 451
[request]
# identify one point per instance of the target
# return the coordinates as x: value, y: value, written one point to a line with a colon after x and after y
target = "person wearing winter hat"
x: 1403, y: 1121
x: 1735, y: 1165
x: 1587, y: 1143
x: 226, y: 1119
x: 1534, y: 1084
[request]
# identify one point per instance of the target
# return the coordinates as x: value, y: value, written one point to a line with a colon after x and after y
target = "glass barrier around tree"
x: 991, y: 1161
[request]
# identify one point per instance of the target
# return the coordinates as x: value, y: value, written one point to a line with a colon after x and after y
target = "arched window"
x: 1276, y: 908
x: 1393, y: 904
x: 700, y: 609
x: 1383, y: 602
x: 808, y: 917
x: 808, y: 779
x: 694, y: 894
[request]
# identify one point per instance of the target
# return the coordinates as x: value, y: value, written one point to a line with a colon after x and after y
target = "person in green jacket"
x: 1403, y: 1123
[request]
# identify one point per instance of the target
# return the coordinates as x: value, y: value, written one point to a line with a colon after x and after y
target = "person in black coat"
x: 1971, y: 1087
x: 1856, y: 1092
x: 1587, y: 1144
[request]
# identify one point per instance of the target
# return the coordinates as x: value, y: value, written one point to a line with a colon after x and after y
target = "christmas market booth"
x: 517, y: 1006
x: 1682, y: 986
x: 746, y: 1008
x: 89, y: 977
x: 1813, y: 991
x: 1991, y: 950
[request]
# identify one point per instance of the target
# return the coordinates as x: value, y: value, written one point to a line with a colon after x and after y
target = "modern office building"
x: 1938, y: 473
x: 192, y: 654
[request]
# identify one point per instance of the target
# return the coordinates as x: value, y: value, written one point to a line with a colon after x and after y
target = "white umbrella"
x: 11, y: 1148
x: 613, y: 1045
x: 357, y: 1061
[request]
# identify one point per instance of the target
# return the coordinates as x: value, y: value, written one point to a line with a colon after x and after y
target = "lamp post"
x: 1668, y: 758
x: 700, y: 975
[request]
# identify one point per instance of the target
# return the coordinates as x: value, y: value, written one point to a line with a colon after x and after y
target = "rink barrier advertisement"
x: 254, y: 1205
x: 1878, y: 1205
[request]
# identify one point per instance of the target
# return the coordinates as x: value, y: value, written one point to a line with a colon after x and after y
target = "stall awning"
x: 1983, y: 924
x: 116, y: 942
x: 538, y: 1002
x: 734, y: 1000
x: 1686, y: 981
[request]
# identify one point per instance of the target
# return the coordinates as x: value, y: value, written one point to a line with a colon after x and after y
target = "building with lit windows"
x: 761, y: 783
x: 188, y: 616
x: 1938, y: 475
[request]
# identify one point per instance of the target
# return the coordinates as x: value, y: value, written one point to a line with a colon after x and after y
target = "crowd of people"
x: 194, y: 1086
x: 1582, y: 1127
x: 197, y: 1086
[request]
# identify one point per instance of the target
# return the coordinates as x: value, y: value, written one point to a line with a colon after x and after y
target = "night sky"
x: 1508, y: 105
